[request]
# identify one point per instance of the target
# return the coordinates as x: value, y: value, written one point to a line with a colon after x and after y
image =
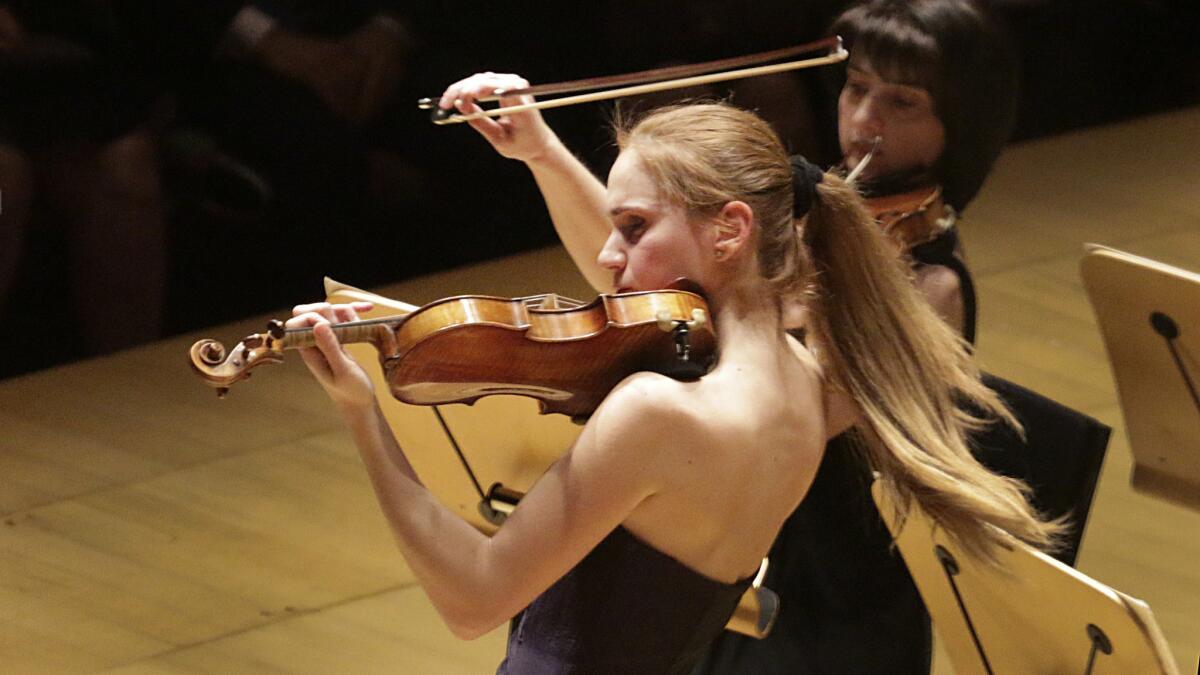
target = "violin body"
x: 462, y: 349
x: 507, y: 440
x: 913, y: 217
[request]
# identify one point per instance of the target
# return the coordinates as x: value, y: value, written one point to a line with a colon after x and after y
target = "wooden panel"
x: 1037, y: 330
x: 196, y: 554
x: 146, y: 527
x: 105, y: 422
x: 394, y: 632
x: 1112, y: 185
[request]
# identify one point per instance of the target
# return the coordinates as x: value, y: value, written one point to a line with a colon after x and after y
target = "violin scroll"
x: 220, y: 368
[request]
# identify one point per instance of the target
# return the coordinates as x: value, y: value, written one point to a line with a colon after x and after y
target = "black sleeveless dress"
x: 847, y: 601
x: 625, y: 608
x: 945, y: 250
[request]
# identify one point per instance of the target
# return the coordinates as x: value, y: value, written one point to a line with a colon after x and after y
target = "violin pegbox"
x: 220, y: 368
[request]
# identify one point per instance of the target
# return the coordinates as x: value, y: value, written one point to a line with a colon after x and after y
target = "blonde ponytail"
x: 910, y: 374
x: 912, y: 377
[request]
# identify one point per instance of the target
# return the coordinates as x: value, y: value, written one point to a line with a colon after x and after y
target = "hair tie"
x: 805, y: 176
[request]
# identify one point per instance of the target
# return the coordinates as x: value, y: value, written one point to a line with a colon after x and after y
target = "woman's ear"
x: 734, y: 227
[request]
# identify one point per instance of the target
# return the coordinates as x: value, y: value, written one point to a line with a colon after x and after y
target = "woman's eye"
x: 632, y: 229
x: 856, y: 89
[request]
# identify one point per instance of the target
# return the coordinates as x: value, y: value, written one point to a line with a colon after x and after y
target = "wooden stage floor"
x: 146, y: 527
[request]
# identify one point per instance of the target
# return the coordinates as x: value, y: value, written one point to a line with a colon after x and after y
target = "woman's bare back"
x: 746, y: 444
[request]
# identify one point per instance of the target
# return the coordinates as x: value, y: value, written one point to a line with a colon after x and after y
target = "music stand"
x: 464, y: 449
x: 498, y: 436
x: 1032, y: 615
x: 1149, y: 315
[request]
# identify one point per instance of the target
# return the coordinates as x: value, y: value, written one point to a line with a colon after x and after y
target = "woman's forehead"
x: 891, y: 71
x: 626, y: 172
x: 629, y: 184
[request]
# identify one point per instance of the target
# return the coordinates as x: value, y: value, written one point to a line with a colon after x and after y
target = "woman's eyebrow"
x: 622, y: 208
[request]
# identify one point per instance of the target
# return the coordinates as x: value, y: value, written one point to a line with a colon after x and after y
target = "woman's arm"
x: 476, y: 582
x: 574, y: 196
x: 942, y: 288
x: 575, y: 199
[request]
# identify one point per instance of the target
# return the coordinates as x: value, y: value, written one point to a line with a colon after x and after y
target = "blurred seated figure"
x: 295, y: 88
x: 350, y: 54
x: 78, y: 164
x: 284, y: 115
x: 278, y: 100
x: 260, y: 104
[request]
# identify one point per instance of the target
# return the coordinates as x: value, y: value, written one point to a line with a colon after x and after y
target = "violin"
x: 566, y: 354
x: 912, y: 218
x: 908, y: 206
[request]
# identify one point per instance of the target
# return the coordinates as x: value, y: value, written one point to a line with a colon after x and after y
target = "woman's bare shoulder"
x: 647, y: 396
x: 639, y: 419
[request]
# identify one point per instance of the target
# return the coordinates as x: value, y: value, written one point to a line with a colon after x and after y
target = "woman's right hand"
x: 523, y: 136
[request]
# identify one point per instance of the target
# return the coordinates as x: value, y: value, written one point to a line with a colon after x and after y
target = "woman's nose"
x: 866, y: 118
x: 611, y: 257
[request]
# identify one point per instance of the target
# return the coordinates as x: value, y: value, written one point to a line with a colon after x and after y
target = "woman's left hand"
x: 338, y: 373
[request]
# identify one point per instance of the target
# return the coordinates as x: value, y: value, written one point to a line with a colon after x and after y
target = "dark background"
x: 453, y: 201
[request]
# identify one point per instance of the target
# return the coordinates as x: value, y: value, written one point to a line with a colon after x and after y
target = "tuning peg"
x: 665, y: 323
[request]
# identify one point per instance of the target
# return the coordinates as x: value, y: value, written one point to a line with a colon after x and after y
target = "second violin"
x: 913, y: 217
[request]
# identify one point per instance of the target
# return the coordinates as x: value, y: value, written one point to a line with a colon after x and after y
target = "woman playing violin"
x: 932, y: 80
x: 936, y: 83
x: 629, y: 554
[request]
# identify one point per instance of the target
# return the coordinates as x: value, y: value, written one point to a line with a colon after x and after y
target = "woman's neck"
x: 747, y: 321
